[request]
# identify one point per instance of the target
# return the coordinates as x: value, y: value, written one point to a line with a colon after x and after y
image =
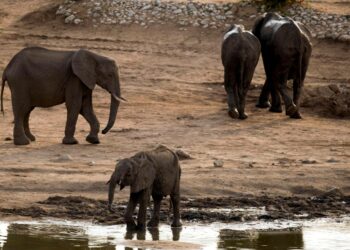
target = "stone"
x: 8, y: 139
x: 69, y: 19
x: 92, y: 163
x: 77, y: 21
x: 63, y: 158
x: 308, y: 161
x: 218, y: 163
x: 334, y: 88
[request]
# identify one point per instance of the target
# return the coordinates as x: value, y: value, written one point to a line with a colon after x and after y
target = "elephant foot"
x: 176, y: 224
x: 92, y: 139
x: 23, y: 140
x: 296, y: 115
x: 153, y: 223
x: 31, y: 137
x: 291, y: 110
x: 276, y: 109
x: 69, y: 140
x: 243, y: 116
x: 263, y: 105
x: 233, y: 113
x: 131, y: 226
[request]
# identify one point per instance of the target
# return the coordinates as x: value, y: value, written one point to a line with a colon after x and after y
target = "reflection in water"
x: 281, y: 240
x: 314, y: 235
x: 154, y: 232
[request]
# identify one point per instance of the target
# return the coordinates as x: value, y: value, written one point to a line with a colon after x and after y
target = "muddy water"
x: 48, y: 234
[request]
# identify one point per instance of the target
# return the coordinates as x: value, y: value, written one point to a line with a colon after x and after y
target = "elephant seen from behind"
x: 240, y: 54
x: 157, y: 173
x: 286, y: 51
x: 39, y: 77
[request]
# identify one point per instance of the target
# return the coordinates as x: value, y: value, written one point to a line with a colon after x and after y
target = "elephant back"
x: 167, y: 168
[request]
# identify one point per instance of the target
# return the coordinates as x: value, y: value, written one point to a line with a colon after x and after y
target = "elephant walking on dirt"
x: 39, y: 77
x: 157, y: 173
x: 240, y: 54
x: 286, y: 51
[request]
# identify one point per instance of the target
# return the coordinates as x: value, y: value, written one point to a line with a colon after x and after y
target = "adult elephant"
x: 39, y: 77
x: 286, y: 51
x: 155, y: 172
x: 239, y: 54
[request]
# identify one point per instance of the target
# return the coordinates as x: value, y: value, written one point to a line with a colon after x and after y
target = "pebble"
x: 63, y: 158
x: 218, y: 163
x: 308, y: 161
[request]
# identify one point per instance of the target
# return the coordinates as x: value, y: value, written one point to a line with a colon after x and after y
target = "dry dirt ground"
x: 173, y: 82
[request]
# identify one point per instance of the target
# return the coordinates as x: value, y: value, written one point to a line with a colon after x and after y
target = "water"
x: 280, y: 235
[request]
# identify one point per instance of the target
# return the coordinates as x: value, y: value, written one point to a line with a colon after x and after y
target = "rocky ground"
x: 197, y: 14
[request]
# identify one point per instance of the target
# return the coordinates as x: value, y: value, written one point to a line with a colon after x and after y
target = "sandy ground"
x: 173, y: 82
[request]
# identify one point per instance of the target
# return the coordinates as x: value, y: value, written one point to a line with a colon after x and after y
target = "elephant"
x: 239, y: 54
x: 39, y: 77
x: 156, y: 172
x: 286, y: 50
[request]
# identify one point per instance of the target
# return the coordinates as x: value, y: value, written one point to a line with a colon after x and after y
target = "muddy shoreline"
x: 223, y: 209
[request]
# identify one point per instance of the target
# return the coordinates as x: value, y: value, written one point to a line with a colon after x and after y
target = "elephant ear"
x: 84, y: 67
x: 144, y: 173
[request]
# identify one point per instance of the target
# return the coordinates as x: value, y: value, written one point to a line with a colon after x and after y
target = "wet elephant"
x: 39, y: 77
x: 240, y: 54
x: 157, y: 173
x: 286, y: 51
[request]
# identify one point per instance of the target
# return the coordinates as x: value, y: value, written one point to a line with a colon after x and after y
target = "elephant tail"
x: 2, y: 91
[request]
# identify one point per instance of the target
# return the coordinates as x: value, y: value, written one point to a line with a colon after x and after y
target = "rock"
x: 92, y: 163
x: 308, y: 161
x: 218, y: 163
x: 334, y: 88
x: 332, y: 160
x: 69, y: 19
x: 63, y: 158
x: 8, y: 139
x: 182, y: 155
x: 77, y: 21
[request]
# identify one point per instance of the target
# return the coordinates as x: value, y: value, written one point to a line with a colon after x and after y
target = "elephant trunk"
x: 112, y: 114
x: 112, y: 185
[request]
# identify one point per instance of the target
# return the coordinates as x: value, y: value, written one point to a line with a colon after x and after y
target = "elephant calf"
x: 240, y: 55
x: 39, y: 77
x: 157, y: 173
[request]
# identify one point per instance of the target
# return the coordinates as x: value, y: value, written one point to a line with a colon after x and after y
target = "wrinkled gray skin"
x: 239, y: 54
x: 286, y: 51
x: 155, y: 173
x: 39, y: 77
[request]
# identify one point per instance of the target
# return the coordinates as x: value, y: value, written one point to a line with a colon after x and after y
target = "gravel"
x: 191, y: 13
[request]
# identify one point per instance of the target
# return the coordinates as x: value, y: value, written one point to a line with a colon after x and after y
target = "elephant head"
x: 137, y: 172
x: 94, y: 69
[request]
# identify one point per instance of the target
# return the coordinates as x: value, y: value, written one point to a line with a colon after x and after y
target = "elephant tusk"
x: 120, y: 99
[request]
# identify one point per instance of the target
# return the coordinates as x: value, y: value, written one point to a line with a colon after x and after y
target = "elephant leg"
x: 154, y: 233
x: 155, y: 216
x: 228, y: 81
x: 297, y: 87
x: 26, y: 125
x: 133, y: 200
x: 276, y: 105
x: 242, y: 97
x: 73, y: 105
x: 175, y: 200
x: 141, y: 217
x: 281, y: 83
x: 263, y: 101
x: 19, y: 111
x: 88, y: 113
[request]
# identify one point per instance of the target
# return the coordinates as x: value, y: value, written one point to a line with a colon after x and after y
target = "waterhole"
x: 280, y: 235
